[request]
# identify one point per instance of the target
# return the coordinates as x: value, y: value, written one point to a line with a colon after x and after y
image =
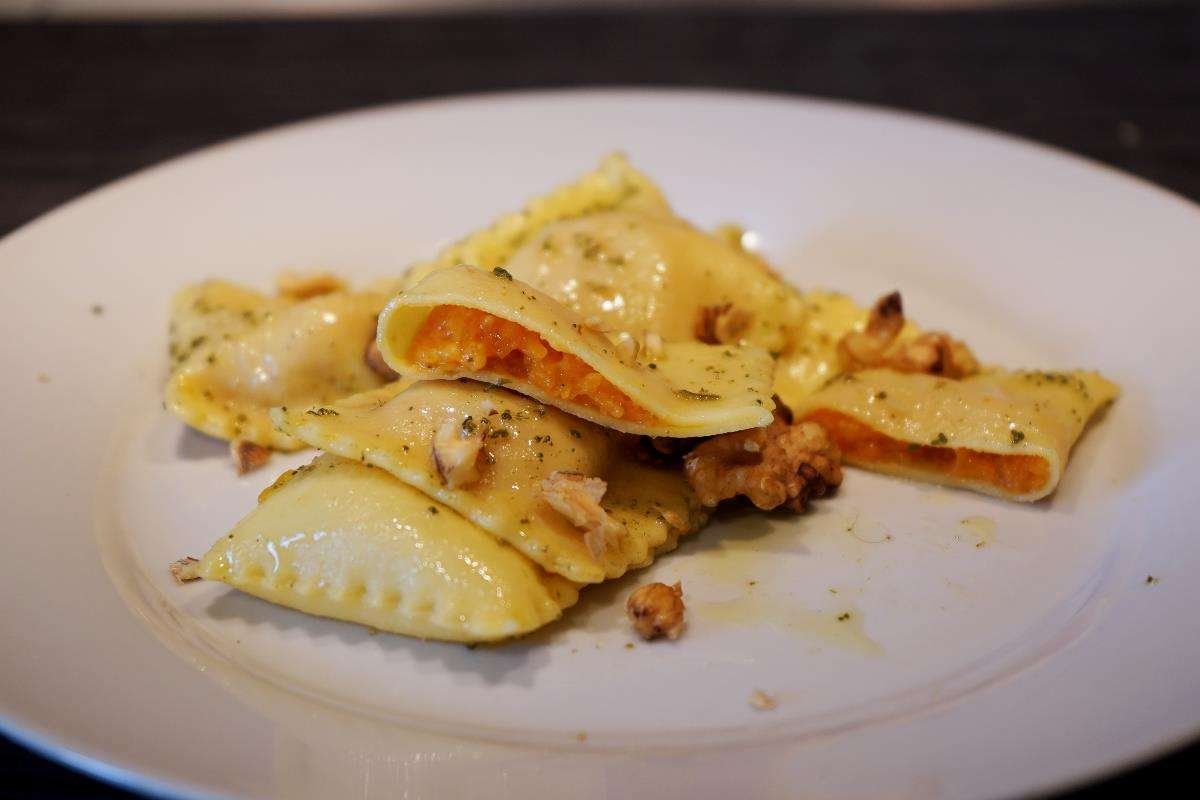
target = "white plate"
x: 1039, y: 658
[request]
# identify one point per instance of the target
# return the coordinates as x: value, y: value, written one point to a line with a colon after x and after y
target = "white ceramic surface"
x: 991, y: 649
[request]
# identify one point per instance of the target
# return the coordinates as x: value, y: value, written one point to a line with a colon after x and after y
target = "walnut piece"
x: 761, y: 700
x: 934, y: 353
x: 456, y: 448
x: 627, y: 346
x: 656, y: 610
x: 578, y: 499
x: 652, y: 345
x: 781, y: 465
x: 248, y: 456
x: 303, y: 285
x: 723, y: 324
x: 375, y: 361
x: 185, y: 570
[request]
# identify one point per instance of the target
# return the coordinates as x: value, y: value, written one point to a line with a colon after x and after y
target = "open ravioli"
x: 465, y: 322
x: 1007, y: 434
x: 522, y: 444
x: 238, y: 353
x: 340, y: 539
x: 613, y: 185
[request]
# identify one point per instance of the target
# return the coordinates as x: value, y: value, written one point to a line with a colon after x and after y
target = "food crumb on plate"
x: 761, y: 700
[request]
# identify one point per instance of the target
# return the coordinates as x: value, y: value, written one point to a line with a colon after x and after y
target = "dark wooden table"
x: 83, y: 104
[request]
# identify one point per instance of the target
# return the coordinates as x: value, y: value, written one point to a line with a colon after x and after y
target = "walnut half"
x: 933, y: 353
x: 656, y: 610
x: 780, y: 466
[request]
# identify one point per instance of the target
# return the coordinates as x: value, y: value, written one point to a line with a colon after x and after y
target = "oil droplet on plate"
x: 840, y: 627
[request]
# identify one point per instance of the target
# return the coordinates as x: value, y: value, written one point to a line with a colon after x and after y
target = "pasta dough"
x: 523, y: 443
x: 246, y: 353
x: 640, y: 273
x: 464, y: 322
x: 611, y: 186
x: 340, y: 539
x: 1007, y: 434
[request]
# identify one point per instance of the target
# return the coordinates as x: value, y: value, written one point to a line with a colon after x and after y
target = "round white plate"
x: 983, y: 649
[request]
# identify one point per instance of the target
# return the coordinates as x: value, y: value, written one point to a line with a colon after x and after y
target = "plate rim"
x: 28, y: 733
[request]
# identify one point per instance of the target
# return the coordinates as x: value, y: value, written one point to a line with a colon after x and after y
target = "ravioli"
x: 247, y: 354
x: 1007, y: 434
x: 340, y: 539
x: 611, y: 186
x: 464, y: 322
x: 207, y: 313
x: 524, y: 442
x: 657, y: 273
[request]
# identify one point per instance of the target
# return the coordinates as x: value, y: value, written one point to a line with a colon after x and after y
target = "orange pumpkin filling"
x: 1015, y: 474
x: 458, y: 339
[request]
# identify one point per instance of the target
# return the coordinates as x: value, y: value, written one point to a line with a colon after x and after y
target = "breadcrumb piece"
x: 656, y: 610
x: 761, y: 700
x: 303, y: 285
x: 248, y: 456
x: 578, y: 499
x: 185, y: 570
x: 456, y: 448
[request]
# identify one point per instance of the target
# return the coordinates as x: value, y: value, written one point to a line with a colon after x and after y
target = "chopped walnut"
x: 248, y: 456
x: 934, y: 353
x: 656, y: 610
x: 303, y: 285
x: 781, y: 465
x: 674, y: 519
x: 578, y: 499
x: 761, y: 700
x: 653, y: 345
x: 375, y: 361
x: 723, y: 324
x: 185, y: 570
x: 627, y: 346
x: 456, y: 448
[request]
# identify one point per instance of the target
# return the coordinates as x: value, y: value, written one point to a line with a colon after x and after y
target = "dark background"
x: 83, y: 104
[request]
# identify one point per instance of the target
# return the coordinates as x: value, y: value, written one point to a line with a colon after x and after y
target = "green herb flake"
x: 702, y: 395
x: 939, y: 440
x: 1017, y: 436
x: 501, y: 272
x: 322, y: 412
